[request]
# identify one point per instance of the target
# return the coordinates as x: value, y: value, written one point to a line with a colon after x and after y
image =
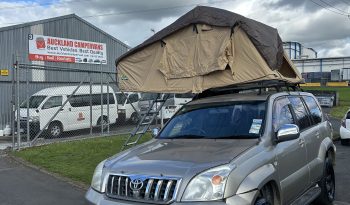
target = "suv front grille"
x: 160, y: 190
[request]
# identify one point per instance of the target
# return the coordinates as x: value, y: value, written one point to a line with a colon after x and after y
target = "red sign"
x: 64, y: 59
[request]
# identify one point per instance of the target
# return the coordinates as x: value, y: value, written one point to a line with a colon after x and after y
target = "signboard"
x: 48, y: 48
x: 4, y: 72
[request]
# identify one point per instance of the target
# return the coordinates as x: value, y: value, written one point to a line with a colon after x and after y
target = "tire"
x: 55, y: 130
x: 344, y: 142
x: 266, y: 196
x: 134, y: 118
x: 327, y: 184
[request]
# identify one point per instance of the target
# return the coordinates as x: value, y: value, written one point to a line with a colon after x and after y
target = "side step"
x: 308, y: 197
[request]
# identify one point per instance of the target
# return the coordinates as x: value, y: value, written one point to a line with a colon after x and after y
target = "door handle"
x: 70, y: 109
x: 301, y: 142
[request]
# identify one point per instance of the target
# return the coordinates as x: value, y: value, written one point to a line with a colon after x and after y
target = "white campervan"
x: 75, y: 114
x: 128, y: 106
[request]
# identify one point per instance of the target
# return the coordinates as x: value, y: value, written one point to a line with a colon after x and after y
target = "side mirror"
x: 155, y: 132
x: 287, y: 132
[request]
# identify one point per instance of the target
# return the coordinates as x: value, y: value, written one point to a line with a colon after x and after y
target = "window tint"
x: 53, y: 102
x: 281, y: 114
x: 300, y: 112
x: 316, y: 113
x: 133, y: 98
x: 84, y: 100
x: 348, y: 115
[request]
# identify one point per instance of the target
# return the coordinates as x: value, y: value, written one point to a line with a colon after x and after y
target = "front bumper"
x: 34, y: 127
x: 344, y: 133
x: 94, y: 198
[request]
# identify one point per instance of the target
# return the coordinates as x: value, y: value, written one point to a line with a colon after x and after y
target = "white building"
x: 316, y: 69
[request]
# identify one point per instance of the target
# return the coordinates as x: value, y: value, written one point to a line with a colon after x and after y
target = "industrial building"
x: 66, y: 41
x: 319, y: 70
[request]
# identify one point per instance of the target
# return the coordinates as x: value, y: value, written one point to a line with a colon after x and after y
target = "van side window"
x: 133, y: 98
x: 281, y: 114
x: 84, y: 100
x: 52, y: 102
x: 315, y: 111
x: 300, y: 112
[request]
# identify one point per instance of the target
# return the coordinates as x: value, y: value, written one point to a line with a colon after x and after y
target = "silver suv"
x: 235, y: 149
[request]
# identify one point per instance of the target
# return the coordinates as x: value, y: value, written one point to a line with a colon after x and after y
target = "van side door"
x: 290, y: 155
x: 317, y: 132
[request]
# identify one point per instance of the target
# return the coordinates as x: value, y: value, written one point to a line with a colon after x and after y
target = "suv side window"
x: 53, y: 102
x: 301, y: 114
x: 315, y: 111
x: 281, y: 114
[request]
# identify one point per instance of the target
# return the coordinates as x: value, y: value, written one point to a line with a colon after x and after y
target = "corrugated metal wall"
x: 14, y: 45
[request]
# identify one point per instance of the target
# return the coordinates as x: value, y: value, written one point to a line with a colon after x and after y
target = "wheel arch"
x: 259, y: 178
x: 57, y: 121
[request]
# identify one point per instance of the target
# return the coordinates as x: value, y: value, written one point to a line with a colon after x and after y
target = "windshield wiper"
x: 236, y: 137
x: 187, y: 137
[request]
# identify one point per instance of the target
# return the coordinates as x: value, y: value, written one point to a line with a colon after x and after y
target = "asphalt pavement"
x: 21, y: 185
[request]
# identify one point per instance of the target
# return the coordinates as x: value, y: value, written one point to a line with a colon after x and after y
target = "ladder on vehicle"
x: 146, y: 120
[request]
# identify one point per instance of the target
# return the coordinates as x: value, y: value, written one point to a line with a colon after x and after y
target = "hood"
x: 23, y: 112
x: 178, y: 157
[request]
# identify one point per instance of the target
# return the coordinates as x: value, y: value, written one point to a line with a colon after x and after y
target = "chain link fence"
x: 56, y: 104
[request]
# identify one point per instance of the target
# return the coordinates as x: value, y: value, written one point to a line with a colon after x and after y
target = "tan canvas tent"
x: 206, y: 48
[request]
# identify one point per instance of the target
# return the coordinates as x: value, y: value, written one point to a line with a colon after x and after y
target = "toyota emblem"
x: 136, y: 184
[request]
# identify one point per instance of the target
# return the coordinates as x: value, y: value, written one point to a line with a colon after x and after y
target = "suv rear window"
x: 234, y: 120
x: 315, y: 111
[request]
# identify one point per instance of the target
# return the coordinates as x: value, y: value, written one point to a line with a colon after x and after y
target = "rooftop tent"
x: 206, y: 48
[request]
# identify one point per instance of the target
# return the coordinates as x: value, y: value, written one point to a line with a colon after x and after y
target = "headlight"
x: 209, y: 185
x: 34, y: 119
x: 97, y: 178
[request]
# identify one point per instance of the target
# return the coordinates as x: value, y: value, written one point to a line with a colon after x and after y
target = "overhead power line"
x: 330, y: 5
x: 336, y: 12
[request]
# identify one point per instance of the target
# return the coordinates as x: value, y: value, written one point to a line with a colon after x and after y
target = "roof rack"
x: 259, y: 86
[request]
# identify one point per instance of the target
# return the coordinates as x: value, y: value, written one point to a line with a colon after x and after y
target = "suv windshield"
x: 34, y: 101
x: 121, y: 98
x: 235, y: 120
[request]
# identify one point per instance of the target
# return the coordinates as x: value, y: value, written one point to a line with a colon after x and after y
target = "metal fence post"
x: 18, y: 108
x: 13, y: 102
x: 90, y: 78
x: 108, y: 121
x: 101, y: 118
x: 27, y: 97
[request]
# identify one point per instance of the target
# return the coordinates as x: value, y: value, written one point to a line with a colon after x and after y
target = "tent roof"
x: 265, y: 38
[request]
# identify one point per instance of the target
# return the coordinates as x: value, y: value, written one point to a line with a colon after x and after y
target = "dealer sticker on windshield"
x: 255, y: 127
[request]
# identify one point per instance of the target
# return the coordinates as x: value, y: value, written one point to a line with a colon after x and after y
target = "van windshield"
x: 184, y: 95
x: 34, y: 101
x: 148, y: 96
x: 121, y: 98
x: 235, y: 120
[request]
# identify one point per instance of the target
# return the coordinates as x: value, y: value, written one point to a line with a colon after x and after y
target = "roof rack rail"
x: 276, y: 84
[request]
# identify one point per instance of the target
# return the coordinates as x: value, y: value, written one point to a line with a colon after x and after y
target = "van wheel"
x: 103, y: 122
x: 134, y: 118
x: 327, y: 184
x: 265, y: 196
x: 55, y: 130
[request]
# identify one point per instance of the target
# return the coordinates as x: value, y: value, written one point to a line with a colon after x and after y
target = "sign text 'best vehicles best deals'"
x: 54, y: 49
